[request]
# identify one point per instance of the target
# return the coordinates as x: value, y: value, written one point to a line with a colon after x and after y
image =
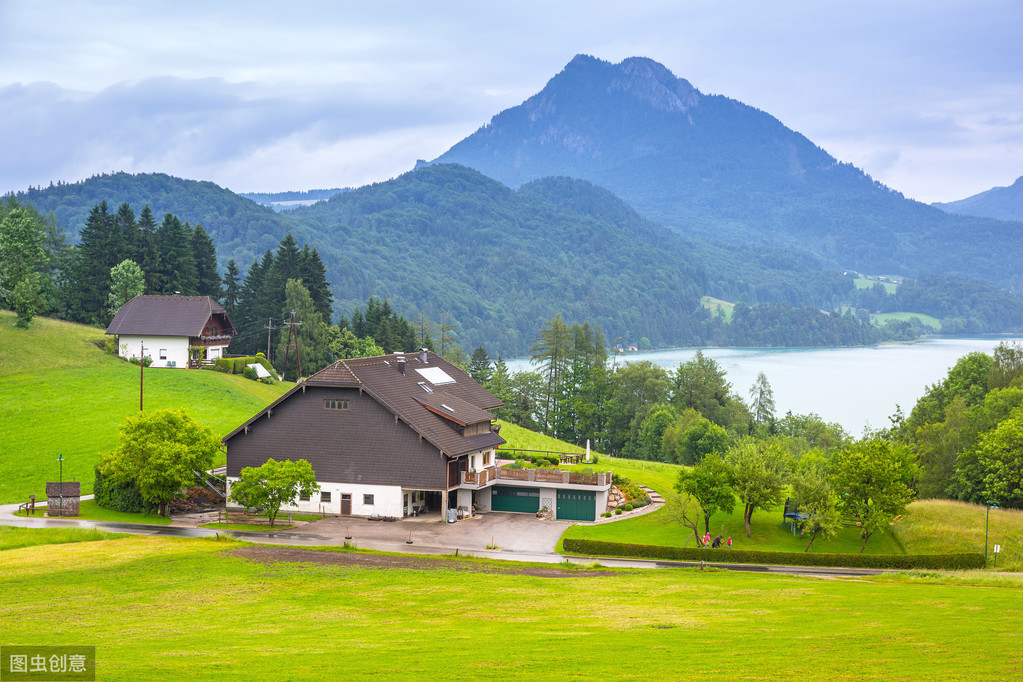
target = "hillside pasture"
x: 867, y: 283
x: 716, y: 304
x: 926, y: 320
x: 62, y: 395
x: 939, y: 526
x: 160, y: 608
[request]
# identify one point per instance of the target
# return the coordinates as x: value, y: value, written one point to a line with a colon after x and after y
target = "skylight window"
x: 448, y: 408
x: 425, y: 386
x: 436, y: 376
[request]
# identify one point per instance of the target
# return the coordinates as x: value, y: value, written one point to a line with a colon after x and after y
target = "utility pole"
x: 142, y: 370
x: 269, y: 328
x: 292, y: 332
x: 60, y: 459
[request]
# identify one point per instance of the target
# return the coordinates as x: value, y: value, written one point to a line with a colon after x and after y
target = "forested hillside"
x: 1001, y: 203
x: 710, y: 165
x: 241, y: 229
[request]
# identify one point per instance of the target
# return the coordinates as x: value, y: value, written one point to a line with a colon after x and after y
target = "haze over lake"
x: 855, y: 387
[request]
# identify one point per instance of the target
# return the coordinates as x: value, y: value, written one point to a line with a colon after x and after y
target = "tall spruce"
x: 149, y: 257
x: 232, y: 288
x: 314, y: 277
x: 127, y: 228
x: 98, y: 248
x: 178, y: 273
x: 205, y: 255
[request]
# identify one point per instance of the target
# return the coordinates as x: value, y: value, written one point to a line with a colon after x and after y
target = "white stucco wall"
x: 176, y: 348
x: 387, y: 500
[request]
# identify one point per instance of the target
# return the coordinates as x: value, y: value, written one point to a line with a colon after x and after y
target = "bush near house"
x: 954, y: 562
x: 239, y: 365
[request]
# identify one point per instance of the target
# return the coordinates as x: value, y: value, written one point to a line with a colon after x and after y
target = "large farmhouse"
x: 401, y: 434
x: 176, y: 331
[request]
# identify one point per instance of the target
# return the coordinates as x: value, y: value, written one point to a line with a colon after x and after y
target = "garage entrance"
x: 509, y: 499
x: 577, y: 505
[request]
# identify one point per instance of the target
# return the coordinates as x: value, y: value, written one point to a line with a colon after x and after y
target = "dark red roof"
x: 167, y: 316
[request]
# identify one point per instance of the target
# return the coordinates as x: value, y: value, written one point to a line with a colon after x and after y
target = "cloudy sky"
x: 926, y: 96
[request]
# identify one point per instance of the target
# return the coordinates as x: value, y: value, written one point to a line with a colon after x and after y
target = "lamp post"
x: 60, y: 460
x: 987, y: 519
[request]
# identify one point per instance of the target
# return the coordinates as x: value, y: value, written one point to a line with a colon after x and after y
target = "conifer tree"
x: 205, y: 255
x: 150, y: 251
x: 177, y: 262
x: 314, y: 277
x: 232, y: 288
x: 127, y: 228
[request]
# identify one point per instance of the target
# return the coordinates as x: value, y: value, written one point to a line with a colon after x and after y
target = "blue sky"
x: 925, y: 96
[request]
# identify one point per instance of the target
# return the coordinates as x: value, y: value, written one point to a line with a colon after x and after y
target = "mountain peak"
x: 640, y: 78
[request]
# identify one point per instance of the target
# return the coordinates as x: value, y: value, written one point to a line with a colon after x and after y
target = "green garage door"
x: 577, y: 505
x: 507, y: 498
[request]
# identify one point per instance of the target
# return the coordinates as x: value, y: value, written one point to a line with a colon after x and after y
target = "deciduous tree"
x: 709, y: 484
x: 273, y: 485
x: 162, y: 452
x: 758, y: 476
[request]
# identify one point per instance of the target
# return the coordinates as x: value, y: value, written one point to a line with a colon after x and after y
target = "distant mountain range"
x: 720, y: 200
x: 1001, y: 203
x: 712, y: 166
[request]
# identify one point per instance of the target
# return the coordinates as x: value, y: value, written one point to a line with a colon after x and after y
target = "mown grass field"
x: 864, y: 283
x: 926, y: 320
x: 936, y: 526
x: 60, y: 394
x: 158, y: 608
x: 715, y: 304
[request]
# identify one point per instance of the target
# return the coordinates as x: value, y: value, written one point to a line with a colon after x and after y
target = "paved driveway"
x: 513, y: 532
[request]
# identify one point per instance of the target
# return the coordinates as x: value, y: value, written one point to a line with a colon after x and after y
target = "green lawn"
x: 864, y: 283
x: 90, y: 511
x: 926, y: 320
x: 16, y: 538
x: 714, y: 304
x: 62, y: 395
x: 159, y: 608
x: 938, y: 526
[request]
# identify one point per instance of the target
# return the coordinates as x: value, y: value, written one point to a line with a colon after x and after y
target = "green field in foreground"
x: 63, y: 395
x: 159, y: 608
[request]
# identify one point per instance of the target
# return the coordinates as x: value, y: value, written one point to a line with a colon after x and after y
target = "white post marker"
x: 587, y: 450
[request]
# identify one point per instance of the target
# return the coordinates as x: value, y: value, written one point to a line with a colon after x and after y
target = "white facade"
x: 383, y: 500
x: 166, y: 351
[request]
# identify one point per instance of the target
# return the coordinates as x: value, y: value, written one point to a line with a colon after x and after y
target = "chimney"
x: 401, y: 364
x: 422, y: 355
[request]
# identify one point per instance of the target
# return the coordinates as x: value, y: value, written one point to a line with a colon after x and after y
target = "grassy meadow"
x: 162, y: 608
x: 61, y: 394
x: 935, y: 526
x: 926, y: 320
x: 88, y: 510
x: 715, y: 304
x: 865, y: 283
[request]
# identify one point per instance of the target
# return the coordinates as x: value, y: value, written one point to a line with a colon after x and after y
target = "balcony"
x: 479, y: 479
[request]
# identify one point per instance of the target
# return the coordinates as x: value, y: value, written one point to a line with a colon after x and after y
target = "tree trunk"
x: 706, y: 521
x: 866, y: 536
x: 163, y: 509
x: 813, y: 536
x: 747, y: 516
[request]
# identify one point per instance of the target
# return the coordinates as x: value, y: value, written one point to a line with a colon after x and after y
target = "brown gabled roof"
x: 166, y: 316
x: 405, y: 395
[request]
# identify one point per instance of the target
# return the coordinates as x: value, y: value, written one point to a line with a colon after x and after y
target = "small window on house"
x: 335, y: 404
x: 325, y: 496
x: 367, y: 500
x: 486, y: 458
x: 303, y: 498
x: 163, y: 353
x: 423, y: 385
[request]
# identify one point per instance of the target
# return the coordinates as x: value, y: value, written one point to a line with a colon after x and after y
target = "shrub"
x: 250, y: 373
x: 954, y: 562
x: 135, y: 361
x: 619, y: 480
x: 606, y: 515
x: 626, y: 507
x: 224, y: 365
x: 618, y: 510
x: 124, y: 498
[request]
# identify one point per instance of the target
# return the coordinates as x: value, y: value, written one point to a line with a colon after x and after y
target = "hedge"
x: 238, y: 365
x: 752, y: 556
x: 124, y: 497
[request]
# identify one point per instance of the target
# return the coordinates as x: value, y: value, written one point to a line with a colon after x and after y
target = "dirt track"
x: 270, y: 555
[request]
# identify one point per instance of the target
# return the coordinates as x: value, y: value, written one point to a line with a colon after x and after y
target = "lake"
x: 855, y: 387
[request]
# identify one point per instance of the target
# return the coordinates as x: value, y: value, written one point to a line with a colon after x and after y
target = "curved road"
x: 384, y: 537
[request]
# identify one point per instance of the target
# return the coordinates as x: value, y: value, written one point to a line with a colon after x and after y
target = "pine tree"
x: 150, y: 250
x: 205, y: 255
x: 90, y: 280
x: 127, y: 228
x: 253, y: 308
x: 232, y: 288
x: 479, y: 366
x: 315, y: 337
x: 314, y: 277
x: 178, y: 273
